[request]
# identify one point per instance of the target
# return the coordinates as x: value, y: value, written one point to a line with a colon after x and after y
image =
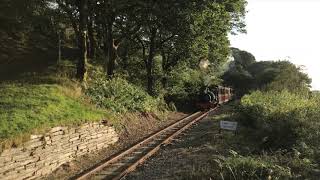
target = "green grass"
x: 35, y: 101
x: 228, y: 156
x: 25, y: 108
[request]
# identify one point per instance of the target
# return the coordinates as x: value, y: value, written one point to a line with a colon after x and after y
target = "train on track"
x: 211, y: 97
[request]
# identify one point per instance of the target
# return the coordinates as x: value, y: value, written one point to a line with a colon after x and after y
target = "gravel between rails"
x: 188, y: 151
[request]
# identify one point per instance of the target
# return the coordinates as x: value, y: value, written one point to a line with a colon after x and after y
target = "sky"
x: 284, y: 29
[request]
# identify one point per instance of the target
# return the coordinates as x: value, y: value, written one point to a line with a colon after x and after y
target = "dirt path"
x: 186, y: 155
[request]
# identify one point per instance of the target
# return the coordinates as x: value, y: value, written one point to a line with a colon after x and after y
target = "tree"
x: 172, y: 28
x: 71, y: 9
x: 81, y: 67
x: 242, y: 58
x: 158, y: 34
x: 245, y: 74
x: 161, y: 24
x: 115, y: 21
x: 291, y: 78
x: 91, y: 29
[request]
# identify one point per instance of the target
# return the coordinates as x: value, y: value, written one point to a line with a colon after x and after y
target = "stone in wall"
x: 42, y: 154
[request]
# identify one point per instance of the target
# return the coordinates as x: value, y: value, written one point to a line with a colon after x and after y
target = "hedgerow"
x: 279, y: 117
x: 120, y: 96
x: 286, y: 122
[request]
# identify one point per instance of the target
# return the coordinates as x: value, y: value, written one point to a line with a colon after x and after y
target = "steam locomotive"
x: 212, y: 97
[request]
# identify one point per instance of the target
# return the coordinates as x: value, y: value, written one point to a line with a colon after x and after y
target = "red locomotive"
x: 211, y: 97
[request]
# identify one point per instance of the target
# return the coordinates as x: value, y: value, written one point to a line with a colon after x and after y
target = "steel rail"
x: 174, y: 130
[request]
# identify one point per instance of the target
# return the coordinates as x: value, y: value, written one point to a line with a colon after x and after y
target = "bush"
x: 261, y: 104
x: 279, y: 118
x: 120, y: 96
x: 295, y: 144
x: 183, y: 87
x: 285, y: 121
x: 184, y: 84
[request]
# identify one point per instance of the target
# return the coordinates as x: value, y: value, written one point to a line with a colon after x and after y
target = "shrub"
x: 184, y: 84
x: 279, y: 118
x: 259, y: 104
x: 286, y: 121
x: 120, y: 96
x: 183, y: 87
x: 292, y: 132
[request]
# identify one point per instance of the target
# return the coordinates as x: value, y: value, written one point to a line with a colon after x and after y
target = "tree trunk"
x: 109, y: 46
x: 92, y: 42
x: 59, y: 47
x: 76, y: 31
x: 149, y: 67
x: 111, y: 50
x: 125, y: 58
x: 81, y: 67
x: 164, y: 69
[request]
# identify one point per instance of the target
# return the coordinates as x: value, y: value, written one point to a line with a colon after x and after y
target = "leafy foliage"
x: 120, y: 96
x: 282, y: 120
x: 245, y: 75
x: 144, y: 41
x: 249, y: 154
x: 279, y: 117
x: 291, y: 78
x: 183, y: 86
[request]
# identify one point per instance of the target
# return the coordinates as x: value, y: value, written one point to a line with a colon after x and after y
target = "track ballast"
x: 121, y: 164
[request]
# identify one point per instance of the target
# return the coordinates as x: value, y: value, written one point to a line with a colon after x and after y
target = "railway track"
x: 125, y: 162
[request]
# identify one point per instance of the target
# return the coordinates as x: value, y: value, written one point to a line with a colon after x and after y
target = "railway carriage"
x: 225, y: 94
x: 211, y: 97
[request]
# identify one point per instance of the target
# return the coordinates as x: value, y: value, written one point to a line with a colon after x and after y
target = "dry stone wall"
x: 45, y: 153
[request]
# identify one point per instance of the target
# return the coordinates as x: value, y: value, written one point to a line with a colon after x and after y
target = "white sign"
x: 228, y: 125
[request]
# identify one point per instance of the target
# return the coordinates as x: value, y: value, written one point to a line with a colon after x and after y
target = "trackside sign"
x: 228, y: 125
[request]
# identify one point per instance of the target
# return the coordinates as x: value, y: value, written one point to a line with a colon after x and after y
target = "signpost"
x: 228, y: 125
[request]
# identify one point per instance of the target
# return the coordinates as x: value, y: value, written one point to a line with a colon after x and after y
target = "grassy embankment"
x: 278, y: 138
x: 37, y: 102
x: 30, y: 108
x: 36, y: 93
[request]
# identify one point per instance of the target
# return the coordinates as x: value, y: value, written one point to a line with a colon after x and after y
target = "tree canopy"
x: 155, y: 36
x: 246, y: 74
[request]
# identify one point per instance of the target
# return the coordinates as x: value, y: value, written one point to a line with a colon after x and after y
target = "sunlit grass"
x: 25, y: 108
